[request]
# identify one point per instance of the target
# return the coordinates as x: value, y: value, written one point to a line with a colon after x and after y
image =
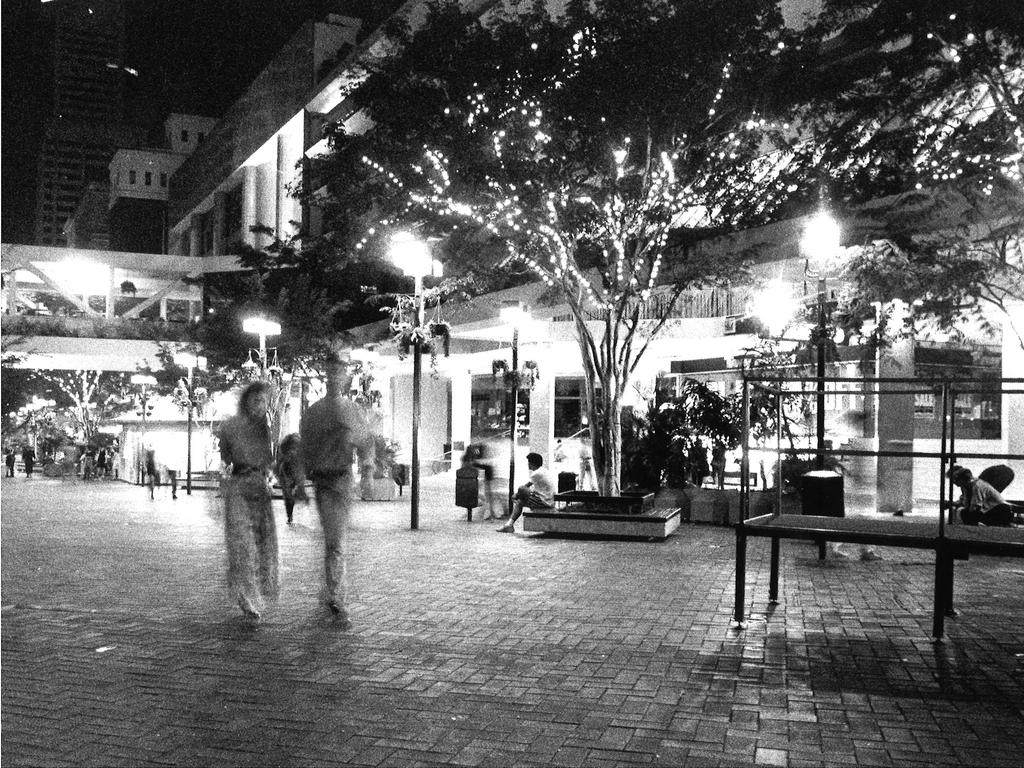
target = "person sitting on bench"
x: 538, y: 493
x: 979, y: 502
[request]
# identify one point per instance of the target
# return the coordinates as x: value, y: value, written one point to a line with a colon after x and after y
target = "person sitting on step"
x: 538, y: 493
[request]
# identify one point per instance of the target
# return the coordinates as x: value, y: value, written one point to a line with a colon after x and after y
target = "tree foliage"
x: 918, y: 106
x: 581, y: 152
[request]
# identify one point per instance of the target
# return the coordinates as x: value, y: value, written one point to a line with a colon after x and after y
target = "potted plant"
x: 381, y: 487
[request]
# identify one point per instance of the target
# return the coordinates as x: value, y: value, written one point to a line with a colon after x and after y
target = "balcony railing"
x: 697, y: 303
x: 93, y: 327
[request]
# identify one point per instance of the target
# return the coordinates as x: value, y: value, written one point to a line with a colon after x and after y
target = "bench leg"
x: 739, y: 607
x: 943, y: 590
x: 773, y: 581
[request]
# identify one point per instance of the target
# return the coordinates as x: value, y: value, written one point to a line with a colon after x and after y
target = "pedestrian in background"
x: 101, y: 463
x: 588, y: 479
x: 28, y: 456
x: 149, y: 471
x: 333, y: 430
x: 9, y: 461
x: 290, y: 475
x: 245, y: 449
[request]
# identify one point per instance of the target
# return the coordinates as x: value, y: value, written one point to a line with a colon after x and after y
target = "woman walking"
x: 245, y: 447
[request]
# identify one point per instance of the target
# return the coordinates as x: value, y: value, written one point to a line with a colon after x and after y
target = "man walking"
x: 28, y: 456
x: 332, y: 431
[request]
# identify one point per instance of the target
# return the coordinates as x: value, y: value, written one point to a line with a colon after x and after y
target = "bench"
x: 949, y: 542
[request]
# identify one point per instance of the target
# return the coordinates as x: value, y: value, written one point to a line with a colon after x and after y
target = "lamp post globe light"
x: 190, y: 362
x: 820, y: 244
x: 262, y: 328
x: 144, y: 381
x: 516, y: 316
x: 412, y: 256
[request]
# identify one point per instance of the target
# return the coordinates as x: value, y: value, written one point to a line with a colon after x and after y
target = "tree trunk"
x: 608, y: 460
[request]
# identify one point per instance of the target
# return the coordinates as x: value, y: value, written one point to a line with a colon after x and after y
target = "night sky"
x: 193, y: 56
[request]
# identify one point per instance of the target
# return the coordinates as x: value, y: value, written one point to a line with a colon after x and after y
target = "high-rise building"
x: 86, y: 82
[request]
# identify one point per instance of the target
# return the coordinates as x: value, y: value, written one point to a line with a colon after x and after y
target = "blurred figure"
x: 28, y: 456
x: 9, y: 460
x: 245, y: 449
x: 149, y: 471
x: 482, y: 460
x: 588, y: 479
x: 698, y: 460
x: 290, y: 475
x: 718, y: 464
x: 332, y: 431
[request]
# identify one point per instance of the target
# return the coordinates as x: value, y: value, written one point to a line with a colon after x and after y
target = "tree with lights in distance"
x: 586, y: 152
x: 919, y: 107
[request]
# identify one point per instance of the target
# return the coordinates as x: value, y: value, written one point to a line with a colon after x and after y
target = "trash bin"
x: 566, y: 482
x: 467, y: 490
x: 821, y: 493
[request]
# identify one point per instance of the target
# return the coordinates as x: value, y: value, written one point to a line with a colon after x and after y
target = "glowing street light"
x: 516, y: 316
x: 262, y: 328
x: 144, y: 381
x: 190, y: 362
x: 820, y: 243
x: 412, y: 256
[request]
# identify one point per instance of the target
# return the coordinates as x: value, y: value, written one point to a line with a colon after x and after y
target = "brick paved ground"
x: 474, y: 648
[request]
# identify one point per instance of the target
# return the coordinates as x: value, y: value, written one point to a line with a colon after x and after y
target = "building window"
x: 149, y: 179
x: 163, y: 179
x: 184, y: 136
x: 131, y: 177
x: 490, y: 412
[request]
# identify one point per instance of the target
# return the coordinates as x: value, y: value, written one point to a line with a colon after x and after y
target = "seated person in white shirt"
x: 979, y: 501
x: 538, y: 493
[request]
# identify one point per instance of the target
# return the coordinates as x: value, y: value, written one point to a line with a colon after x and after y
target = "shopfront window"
x: 491, y: 407
x: 978, y: 414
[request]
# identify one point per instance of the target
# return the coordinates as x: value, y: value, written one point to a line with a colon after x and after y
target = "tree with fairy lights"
x: 912, y: 117
x: 586, y: 152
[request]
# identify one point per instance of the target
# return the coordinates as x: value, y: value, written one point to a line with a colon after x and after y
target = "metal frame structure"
x: 949, y: 542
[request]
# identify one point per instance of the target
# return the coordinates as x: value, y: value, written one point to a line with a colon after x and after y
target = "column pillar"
x: 111, y: 293
x: 895, y: 417
x: 289, y: 152
x: 250, y: 196
x: 12, y: 292
x: 462, y: 396
x: 219, y: 216
x: 542, y: 403
x: 195, y: 235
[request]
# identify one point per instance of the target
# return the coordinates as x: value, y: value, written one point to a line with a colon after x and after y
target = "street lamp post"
x: 143, y: 380
x: 820, y: 242
x: 412, y: 256
x: 189, y: 361
x: 514, y: 315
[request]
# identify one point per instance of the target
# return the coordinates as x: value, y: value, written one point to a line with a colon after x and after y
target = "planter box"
x: 712, y: 505
x: 586, y: 513
x: 381, y: 489
x: 592, y: 501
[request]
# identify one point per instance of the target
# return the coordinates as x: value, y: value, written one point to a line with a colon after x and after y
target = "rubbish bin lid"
x: 822, y: 473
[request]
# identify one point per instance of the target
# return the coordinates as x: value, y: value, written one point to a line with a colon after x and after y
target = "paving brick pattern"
x: 468, y: 647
